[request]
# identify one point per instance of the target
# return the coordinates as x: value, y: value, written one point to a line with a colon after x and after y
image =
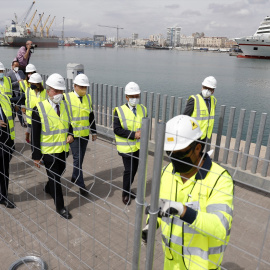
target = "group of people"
x: 196, y: 194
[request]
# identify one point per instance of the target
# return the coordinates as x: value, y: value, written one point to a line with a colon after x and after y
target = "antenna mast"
x: 63, y: 28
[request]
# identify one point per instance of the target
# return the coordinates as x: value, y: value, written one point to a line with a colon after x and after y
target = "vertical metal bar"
x: 228, y: 135
x: 110, y: 105
x: 66, y: 81
x: 96, y: 102
x: 248, y: 139
x: 238, y: 136
x: 116, y: 96
x: 164, y: 108
x: 267, y: 158
x: 144, y: 101
x: 106, y: 105
x: 140, y: 199
x: 101, y: 107
x: 159, y: 146
x: 172, y: 107
x: 92, y: 93
x: 258, y: 143
x: 219, y: 132
x: 122, y: 95
x: 150, y: 112
x: 179, y: 106
x: 157, y: 113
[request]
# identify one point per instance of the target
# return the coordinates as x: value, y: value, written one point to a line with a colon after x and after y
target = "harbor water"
x: 241, y: 83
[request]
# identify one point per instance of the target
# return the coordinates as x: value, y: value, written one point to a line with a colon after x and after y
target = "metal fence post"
x: 150, y: 112
x: 157, y: 113
x: 164, y: 108
x: 142, y: 177
x: 179, y: 106
x: 110, y: 105
x: 159, y: 146
x: 122, y: 95
x: 144, y: 100
x: 172, y: 107
x: 106, y: 106
x: 101, y: 108
x: 267, y: 158
x: 96, y: 103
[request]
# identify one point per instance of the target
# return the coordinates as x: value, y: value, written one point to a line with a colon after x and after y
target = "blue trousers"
x: 78, y: 148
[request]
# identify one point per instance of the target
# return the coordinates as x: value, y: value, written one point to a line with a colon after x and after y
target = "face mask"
x: 1, y: 75
x: 57, y: 98
x: 29, y: 75
x: 16, y: 69
x: 33, y: 86
x: 206, y: 93
x: 133, y: 101
x: 81, y: 92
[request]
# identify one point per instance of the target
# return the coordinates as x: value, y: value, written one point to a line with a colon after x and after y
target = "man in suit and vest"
x: 127, y: 124
x: 5, y: 82
x: 16, y: 76
x: 196, y: 201
x: 51, y: 136
x: 202, y: 107
x: 83, y: 121
x: 7, y: 136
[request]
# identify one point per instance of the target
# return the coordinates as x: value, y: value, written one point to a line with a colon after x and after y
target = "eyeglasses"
x: 210, y: 89
x: 181, y: 155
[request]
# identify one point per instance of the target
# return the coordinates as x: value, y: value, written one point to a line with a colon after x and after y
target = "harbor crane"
x: 28, y: 25
x: 36, y: 26
x: 63, y: 29
x: 43, y: 26
x: 117, y: 30
x: 48, y: 27
x: 27, y: 13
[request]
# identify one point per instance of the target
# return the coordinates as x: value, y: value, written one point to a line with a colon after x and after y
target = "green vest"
x: 201, y: 114
x: 199, y: 245
x: 31, y: 101
x: 54, y: 129
x: 130, y: 122
x: 6, y: 88
x: 6, y: 108
x: 79, y: 112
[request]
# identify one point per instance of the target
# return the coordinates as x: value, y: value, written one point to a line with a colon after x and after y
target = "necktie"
x: 134, y: 110
x: 80, y: 99
x: 57, y: 109
x: 208, y: 104
x: 1, y: 113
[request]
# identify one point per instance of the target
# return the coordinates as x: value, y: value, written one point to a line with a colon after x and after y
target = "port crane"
x: 43, y: 26
x: 48, y: 27
x: 36, y: 26
x: 28, y: 25
x: 117, y: 30
x: 27, y: 13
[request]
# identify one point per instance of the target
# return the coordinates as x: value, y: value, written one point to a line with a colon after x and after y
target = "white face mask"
x: 133, y: 101
x: 16, y: 69
x: 206, y: 93
x: 57, y: 98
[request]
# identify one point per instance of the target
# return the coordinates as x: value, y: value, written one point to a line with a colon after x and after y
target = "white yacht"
x: 258, y: 45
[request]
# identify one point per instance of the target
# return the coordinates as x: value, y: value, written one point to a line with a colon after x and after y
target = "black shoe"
x: 8, y: 203
x: 64, y: 213
x: 24, y: 125
x: 73, y: 180
x: 126, y: 200
x: 133, y: 195
x: 46, y: 191
x: 83, y: 192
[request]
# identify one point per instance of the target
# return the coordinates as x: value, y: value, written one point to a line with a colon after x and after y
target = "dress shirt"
x: 20, y: 56
x: 17, y: 75
x: 53, y: 105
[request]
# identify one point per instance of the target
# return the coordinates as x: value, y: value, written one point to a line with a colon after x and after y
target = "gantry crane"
x: 36, y: 26
x: 48, y: 27
x: 43, y: 26
x: 117, y: 29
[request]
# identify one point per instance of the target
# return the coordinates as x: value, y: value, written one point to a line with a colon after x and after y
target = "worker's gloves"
x: 168, y: 208
x: 145, y: 234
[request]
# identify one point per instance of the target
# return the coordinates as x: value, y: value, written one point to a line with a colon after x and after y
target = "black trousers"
x: 131, y: 162
x: 55, y: 166
x: 5, y: 157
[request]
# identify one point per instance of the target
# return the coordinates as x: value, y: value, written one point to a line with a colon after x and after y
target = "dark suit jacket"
x: 14, y: 82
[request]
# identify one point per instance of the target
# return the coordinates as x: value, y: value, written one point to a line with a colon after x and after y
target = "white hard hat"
x: 2, y: 67
x: 56, y: 81
x: 210, y: 82
x: 81, y: 80
x: 35, y: 78
x: 132, y: 88
x: 30, y: 68
x: 181, y: 131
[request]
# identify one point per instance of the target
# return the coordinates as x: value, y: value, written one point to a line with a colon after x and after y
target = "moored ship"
x: 258, y: 45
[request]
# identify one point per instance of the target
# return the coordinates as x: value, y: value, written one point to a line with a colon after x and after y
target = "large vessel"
x: 17, y: 34
x: 258, y: 45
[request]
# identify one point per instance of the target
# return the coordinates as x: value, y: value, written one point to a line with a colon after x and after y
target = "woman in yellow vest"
x: 196, y: 201
x: 126, y: 125
x: 5, y: 82
x: 34, y: 94
x: 29, y: 70
x: 83, y: 121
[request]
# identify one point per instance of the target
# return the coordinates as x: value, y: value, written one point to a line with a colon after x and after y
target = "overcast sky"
x: 231, y: 18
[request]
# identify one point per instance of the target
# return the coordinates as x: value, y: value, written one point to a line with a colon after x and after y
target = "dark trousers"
x: 20, y: 116
x: 55, y: 166
x: 78, y: 148
x: 5, y: 157
x: 131, y: 162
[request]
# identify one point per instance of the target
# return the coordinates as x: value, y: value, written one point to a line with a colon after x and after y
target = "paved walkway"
x: 100, y: 235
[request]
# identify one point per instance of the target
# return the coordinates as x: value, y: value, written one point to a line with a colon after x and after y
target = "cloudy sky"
x: 231, y: 18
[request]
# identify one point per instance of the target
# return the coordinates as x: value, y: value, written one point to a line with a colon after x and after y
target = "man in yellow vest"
x: 83, y: 121
x: 51, y: 136
x: 196, y: 201
x: 5, y: 82
x: 202, y: 107
x: 7, y: 136
x: 127, y: 124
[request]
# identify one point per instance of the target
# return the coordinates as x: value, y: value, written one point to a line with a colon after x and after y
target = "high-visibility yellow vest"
x: 23, y: 86
x: 130, y: 122
x: 6, y: 88
x: 54, y: 129
x: 79, y: 112
x: 199, y: 245
x: 31, y: 100
x: 201, y: 114
x: 6, y: 107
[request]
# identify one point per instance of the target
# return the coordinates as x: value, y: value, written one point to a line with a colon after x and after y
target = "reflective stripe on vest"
x: 6, y: 88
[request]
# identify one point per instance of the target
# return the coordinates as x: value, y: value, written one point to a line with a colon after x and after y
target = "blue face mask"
x: 1, y: 75
x: 33, y: 86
